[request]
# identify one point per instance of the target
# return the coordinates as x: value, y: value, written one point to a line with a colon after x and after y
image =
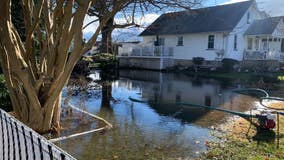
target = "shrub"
x: 5, y: 102
x: 106, y: 60
x: 197, y: 61
x: 228, y: 64
x: 81, y: 68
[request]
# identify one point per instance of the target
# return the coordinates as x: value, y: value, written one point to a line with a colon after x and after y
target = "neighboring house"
x: 96, y: 48
x: 127, y: 47
x: 238, y: 31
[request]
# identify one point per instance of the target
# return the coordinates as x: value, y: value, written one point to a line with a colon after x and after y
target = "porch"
x: 149, y: 52
x: 265, y: 47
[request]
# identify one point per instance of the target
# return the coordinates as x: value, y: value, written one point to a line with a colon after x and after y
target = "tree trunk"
x: 38, y: 65
x: 106, y: 46
x: 106, y: 94
x: 37, y: 117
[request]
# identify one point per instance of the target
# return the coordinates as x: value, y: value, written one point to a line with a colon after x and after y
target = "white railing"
x: 263, y: 55
x: 159, y: 51
x: 17, y: 141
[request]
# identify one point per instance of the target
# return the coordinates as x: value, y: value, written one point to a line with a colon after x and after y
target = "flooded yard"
x: 147, y: 131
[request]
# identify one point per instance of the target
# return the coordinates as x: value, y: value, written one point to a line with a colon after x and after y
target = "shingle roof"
x: 211, y: 19
x: 263, y: 26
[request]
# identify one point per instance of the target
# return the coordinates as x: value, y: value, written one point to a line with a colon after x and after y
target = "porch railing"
x: 159, y: 51
x: 263, y: 55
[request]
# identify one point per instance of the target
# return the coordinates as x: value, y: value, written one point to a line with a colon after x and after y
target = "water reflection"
x: 143, y: 131
x: 167, y: 89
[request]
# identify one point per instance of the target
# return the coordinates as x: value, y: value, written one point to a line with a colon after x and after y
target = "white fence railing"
x: 158, y: 51
x: 19, y: 142
x: 263, y: 55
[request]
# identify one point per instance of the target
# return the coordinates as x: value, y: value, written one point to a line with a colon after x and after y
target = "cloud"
x: 91, y: 29
x: 127, y: 34
x: 272, y: 7
x: 131, y: 34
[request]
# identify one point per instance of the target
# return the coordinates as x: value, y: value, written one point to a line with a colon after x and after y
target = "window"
x: 249, y: 43
x: 180, y: 41
x: 207, y: 101
x: 256, y: 44
x: 282, y: 46
x: 178, y: 97
x: 248, y: 18
x: 236, y: 42
x: 211, y: 41
x: 265, y: 45
x: 160, y: 42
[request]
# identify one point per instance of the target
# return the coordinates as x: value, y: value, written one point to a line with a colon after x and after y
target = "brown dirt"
x: 241, y: 129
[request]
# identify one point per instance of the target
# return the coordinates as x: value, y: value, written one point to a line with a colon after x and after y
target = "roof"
x: 211, y: 19
x: 263, y: 26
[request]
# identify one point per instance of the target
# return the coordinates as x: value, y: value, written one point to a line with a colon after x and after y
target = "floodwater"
x: 160, y: 131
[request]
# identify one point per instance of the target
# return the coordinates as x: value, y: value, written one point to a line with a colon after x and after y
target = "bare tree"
x: 37, y: 69
x: 133, y: 9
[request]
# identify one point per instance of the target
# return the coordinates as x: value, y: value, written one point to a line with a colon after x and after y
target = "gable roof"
x: 263, y: 26
x: 211, y: 19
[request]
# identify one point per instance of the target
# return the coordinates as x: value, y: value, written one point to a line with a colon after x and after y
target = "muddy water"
x: 147, y: 131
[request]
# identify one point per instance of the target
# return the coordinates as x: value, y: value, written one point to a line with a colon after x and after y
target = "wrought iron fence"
x: 19, y: 142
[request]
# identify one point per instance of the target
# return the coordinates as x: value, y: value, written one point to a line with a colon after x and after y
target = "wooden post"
x: 278, y: 132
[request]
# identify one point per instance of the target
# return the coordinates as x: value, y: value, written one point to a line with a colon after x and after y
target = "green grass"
x: 238, y: 150
x: 242, y: 76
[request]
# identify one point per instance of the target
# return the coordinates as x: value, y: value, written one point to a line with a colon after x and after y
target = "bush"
x: 228, y: 64
x: 106, y: 60
x: 5, y: 102
x: 81, y: 68
x: 197, y: 61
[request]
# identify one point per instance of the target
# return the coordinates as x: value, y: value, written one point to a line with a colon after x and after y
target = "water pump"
x: 266, y: 121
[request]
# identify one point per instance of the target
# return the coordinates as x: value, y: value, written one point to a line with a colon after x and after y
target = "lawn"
x: 240, y: 140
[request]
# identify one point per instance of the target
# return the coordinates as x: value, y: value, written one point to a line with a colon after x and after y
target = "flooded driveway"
x: 147, y: 131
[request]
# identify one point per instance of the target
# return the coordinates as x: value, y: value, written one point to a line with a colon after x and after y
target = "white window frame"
x: 235, y: 42
x: 250, y: 43
x: 210, y: 41
x: 180, y: 41
x: 256, y: 44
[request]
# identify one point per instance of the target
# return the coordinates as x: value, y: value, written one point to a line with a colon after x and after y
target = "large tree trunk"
x: 35, y: 78
x: 37, y: 65
x: 106, y: 94
x: 106, y: 47
x: 107, y: 30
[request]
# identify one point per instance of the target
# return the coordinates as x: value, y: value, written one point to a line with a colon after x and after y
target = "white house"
x: 238, y: 31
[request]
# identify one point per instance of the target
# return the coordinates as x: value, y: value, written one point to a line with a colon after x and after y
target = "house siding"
x: 279, y: 31
x: 240, y: 30
x: 194, y: 45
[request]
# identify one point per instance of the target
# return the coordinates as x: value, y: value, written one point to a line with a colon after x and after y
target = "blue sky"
x: 272, y: 7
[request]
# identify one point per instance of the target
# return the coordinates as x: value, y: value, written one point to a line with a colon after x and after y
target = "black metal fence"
x: 19, y: 142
